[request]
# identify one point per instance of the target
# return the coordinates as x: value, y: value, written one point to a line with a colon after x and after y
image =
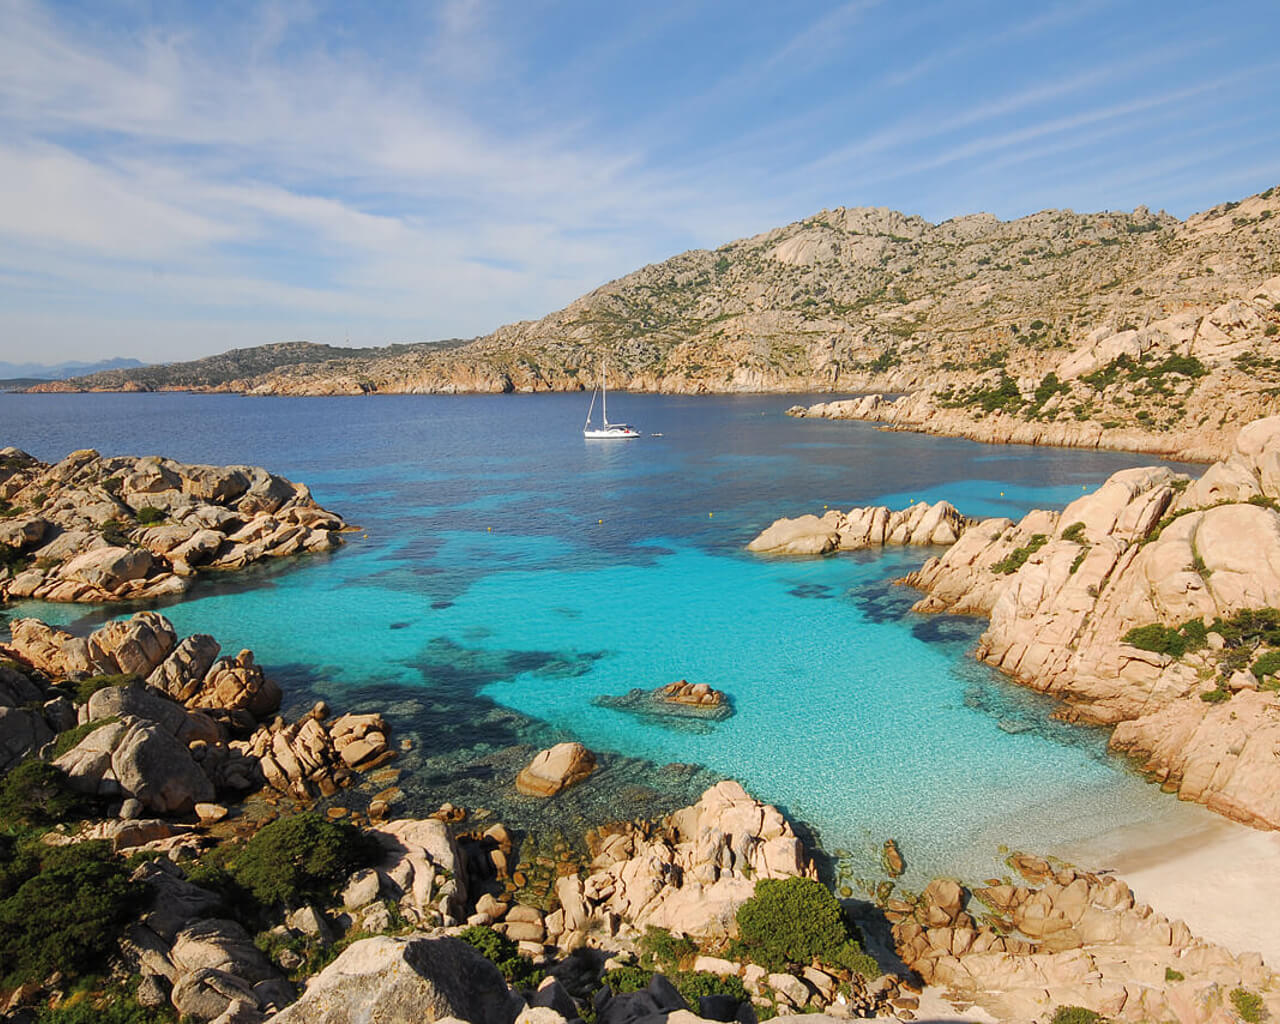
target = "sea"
x: 506, y: 573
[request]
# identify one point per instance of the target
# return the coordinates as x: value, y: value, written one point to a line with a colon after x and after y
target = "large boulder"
x: 238, y: 684
x: 386, y: 980
x: 134, y: 757
x: 555, y: 769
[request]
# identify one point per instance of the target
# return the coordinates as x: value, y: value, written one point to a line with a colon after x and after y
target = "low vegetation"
x: 794, y: 922
x: 1017, y: 558
x: 503, y: 954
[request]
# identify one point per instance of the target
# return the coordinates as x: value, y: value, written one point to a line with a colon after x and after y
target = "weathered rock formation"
x: 874, y: 526
x: 555, y: 769
x: 691, y: 874
x: 681, y: 699
x: 1149, y: 548
x: 398, y: 981
x: 1063, y: 592
x: 97, y: 529
x: 173, y: 726
x: 1070, y: 938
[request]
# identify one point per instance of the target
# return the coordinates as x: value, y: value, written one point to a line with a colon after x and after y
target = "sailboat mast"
x: 604, y: 391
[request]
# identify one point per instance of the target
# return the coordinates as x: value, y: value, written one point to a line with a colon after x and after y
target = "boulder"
x: 384, y: 980
x: 555, y: 769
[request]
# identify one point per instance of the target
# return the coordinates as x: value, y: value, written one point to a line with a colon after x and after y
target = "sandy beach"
x: 1216, y: 875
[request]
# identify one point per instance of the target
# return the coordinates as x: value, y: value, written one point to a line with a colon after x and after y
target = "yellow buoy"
x: 489, y: 528
x: 1002, y: 494
x: 599, y: 522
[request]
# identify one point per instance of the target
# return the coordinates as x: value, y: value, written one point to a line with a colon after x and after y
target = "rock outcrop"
x: 95, y: 529
x: 173, y: 726
x: 919, y: 524
x: 1147, y: 549
x: 1069, y: 938
x: 680, y: 700
x: 555, y: 769
x: 691, y: 874
x: 387, y: 980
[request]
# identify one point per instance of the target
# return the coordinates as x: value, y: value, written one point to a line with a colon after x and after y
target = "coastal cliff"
x: 1149, y: 605
x: 1054, y: 328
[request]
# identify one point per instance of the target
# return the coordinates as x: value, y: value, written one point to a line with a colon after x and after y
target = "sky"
x: 178, y: 179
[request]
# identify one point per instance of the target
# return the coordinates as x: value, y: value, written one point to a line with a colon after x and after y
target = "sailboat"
x: 607, y: 431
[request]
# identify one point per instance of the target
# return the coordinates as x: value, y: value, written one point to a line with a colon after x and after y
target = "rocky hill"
x: 1055, y: 317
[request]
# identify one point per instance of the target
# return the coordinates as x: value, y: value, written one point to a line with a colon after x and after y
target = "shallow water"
x: 508, y: 572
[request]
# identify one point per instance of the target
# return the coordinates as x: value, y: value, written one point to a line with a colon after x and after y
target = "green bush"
x: 1076, y: 1015
x: 149, y: 515
x: 115, y: 1009
x: 86, y: 688
x: 300, y: 858
x: 1158, y: 639
x: 1215, y: 696
x: 627, y: 979
x: 662, y: 949
x: 1074, y: 533
x: 1248, y: 1005
x: 795, y: 921
x: 35, y: 793
x: 503, y: 954
x: 692, y: 985
x: 66, y: 915
x: 1171, y: 975
x: 1017, y: 558
x: 1266, y: 665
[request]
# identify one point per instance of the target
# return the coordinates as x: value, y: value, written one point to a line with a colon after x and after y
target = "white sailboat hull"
x: 610, y: 433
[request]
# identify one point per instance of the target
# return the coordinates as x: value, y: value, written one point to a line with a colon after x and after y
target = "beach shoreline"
x: 1215, y: 874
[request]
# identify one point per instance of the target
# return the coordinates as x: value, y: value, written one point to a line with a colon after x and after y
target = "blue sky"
x: 180, y: 178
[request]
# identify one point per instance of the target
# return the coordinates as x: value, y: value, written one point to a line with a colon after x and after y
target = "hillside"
x: 971, y: 315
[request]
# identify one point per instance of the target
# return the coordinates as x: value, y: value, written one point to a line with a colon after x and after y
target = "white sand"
x: 1217, y: 876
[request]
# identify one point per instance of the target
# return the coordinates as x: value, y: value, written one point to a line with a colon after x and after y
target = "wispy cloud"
x: 415, y: 172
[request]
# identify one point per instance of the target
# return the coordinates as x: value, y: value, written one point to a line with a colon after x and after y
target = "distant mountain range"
x: 61, y: 371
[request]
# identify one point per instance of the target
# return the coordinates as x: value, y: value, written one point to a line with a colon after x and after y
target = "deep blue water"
x: 504, y: 560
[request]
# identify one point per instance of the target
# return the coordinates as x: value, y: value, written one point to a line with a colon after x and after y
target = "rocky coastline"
x: 93, y: 529
x: 188, y: 785
x: 1147, y: 606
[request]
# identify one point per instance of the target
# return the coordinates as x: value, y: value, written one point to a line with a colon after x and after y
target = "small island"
x: 681, y: 699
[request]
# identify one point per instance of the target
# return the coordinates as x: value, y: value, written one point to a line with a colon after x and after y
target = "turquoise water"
x: 508, y: 572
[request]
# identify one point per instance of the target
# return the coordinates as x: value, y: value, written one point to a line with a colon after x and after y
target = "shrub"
x: 1271, y: 330
x: 1017, y: 558
x: 664, y: 950
x: 149, y: 515
x: 35, y: 793
x: 1074, y: 533
x: 627, y: 979
x: 1076, y: 1015
x: 692, y: 985
x: 66, y: 916
x: 115, y: 1009
x: 1171, y: 975
x: 1215, y: 696
x: 503, y: 954
x: 1248, y: 1005
x: 86, y: 688
x: 1158, y: 639
x: 795, y: 921
x: 300, y: 857
x: 1267, y: 665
